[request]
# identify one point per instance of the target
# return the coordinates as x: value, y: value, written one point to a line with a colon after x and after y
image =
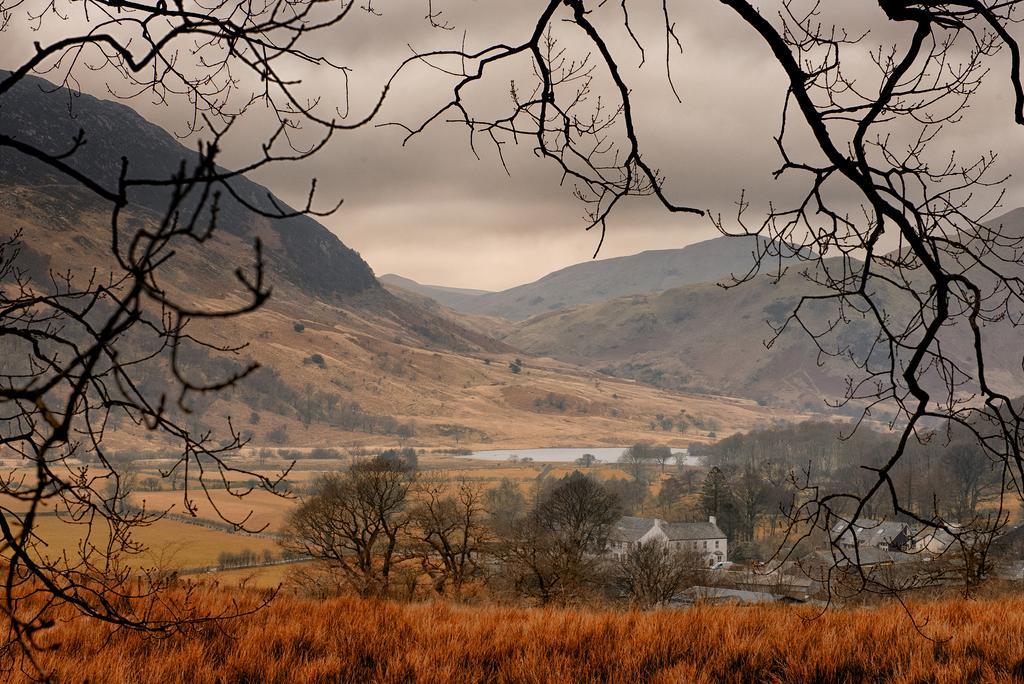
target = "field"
x: 259, y: 508
x: 170, y: 543
x: 353, y: 640
x: 173, y: 542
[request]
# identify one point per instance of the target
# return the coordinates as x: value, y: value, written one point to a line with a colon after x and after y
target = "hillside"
x: 451, y: 297
x: 342, y: 360
x: 604, y: 279
x: 306, y: 253
x: 708, y: 338
x: 700, y: 337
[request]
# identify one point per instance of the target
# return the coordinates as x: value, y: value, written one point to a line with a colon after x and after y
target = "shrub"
x: 316, y: 360
x: 322, y: 453
x: 278, y: 435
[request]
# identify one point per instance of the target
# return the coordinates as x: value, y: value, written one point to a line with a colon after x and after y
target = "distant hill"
x: 707, y: 338
x: 342, y: 360
x: 643, y: 273
x: 452, y: 297
x: 697, y: 337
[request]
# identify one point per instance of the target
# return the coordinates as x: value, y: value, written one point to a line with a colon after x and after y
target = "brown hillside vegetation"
x: 708, y: 338
x: 353, y: 640
x: 367, y: 369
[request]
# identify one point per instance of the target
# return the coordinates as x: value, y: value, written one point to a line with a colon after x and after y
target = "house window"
x: 716, y: 543
x: 705, y: 543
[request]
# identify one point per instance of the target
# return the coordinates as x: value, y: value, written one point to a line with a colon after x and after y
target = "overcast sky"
x: 432, y: 211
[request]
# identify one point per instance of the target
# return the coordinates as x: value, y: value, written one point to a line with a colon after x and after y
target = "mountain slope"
x: 452, y: 297
x: 33, y: 112
x: 594, y: 281
x: 697, y: 338
x: 708, y: 338
x: 342, y: 360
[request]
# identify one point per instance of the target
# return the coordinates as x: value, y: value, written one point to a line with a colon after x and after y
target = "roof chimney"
x: 712, y: 520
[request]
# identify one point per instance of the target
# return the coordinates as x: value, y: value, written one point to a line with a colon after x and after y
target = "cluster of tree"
x: 668, y: 423
x: 758, y: 475
x: 405, y: 457
x: 316, y: 360
x: 741, y: 499
x: 328, y: 408
x: 378, y: 524
x: 560, y: 403
x: 244, y: 558
x: 322, y: 453
x: 638, y: 462
x: 636, y: 459
x: 265, y: 390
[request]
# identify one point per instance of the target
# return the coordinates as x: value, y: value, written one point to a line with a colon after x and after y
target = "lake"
x: 564, y: 455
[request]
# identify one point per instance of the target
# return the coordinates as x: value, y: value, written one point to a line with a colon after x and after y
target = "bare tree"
x: 76, y: 349
x: 928, y: 313
x: 449, y: 531
x: 505, y: 505
x: 972, y: 477
x: 556, y: 551
x: 652, y: 575
x: 353, y: 522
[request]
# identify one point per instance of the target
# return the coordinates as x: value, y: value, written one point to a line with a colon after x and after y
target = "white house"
x: 703, y: 538
x: 935, y: 542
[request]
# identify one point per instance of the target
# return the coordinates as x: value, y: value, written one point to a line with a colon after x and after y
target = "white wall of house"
x: 712, y: 550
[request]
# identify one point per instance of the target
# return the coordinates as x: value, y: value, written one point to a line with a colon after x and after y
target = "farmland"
x: 196, y: 539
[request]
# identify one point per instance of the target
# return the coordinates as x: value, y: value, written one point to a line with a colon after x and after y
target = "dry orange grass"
x: 353, y: 640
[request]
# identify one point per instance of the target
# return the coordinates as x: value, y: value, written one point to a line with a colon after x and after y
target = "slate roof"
x: 869, y: 533
x: 866, y: 557
x: 699, y: 530
x: 718, y: 594
x: 631, y: 528
x: 875, y: 556
x: 941, y: 537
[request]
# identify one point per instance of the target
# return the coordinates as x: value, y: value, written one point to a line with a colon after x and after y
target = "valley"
x: 341, y: 360
x: 232, y: 449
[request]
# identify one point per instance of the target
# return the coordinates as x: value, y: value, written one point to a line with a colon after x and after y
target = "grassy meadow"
x: 169, y: 543
x: 359, y: 640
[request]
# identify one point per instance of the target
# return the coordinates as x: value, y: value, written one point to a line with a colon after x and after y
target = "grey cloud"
x: 431, y: 211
